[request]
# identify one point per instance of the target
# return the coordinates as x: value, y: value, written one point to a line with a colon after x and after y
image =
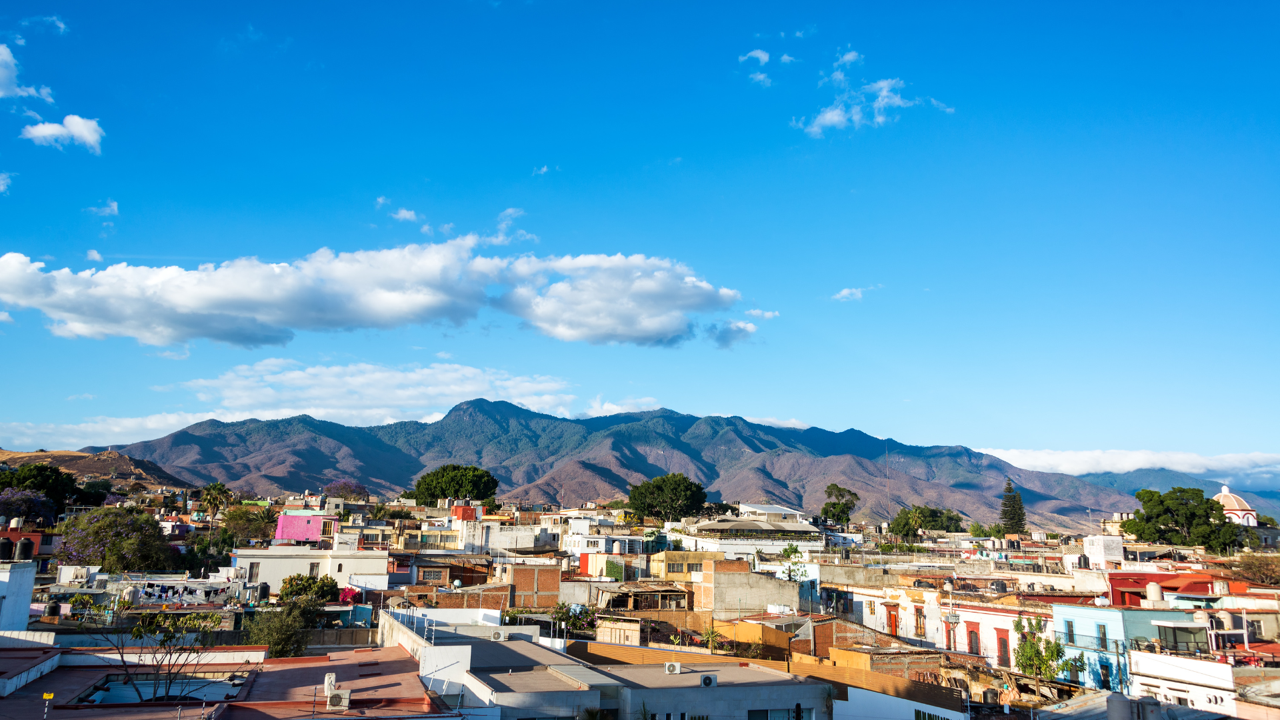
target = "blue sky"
x: 992, y: 225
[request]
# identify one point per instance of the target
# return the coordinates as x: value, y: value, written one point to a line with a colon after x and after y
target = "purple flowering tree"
x: 118, y: 539
x: 15, y: 503
x: 347, y: 489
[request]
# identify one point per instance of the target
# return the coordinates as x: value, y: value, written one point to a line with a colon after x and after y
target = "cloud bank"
x: 246, y: 302
x: 1082, y: 462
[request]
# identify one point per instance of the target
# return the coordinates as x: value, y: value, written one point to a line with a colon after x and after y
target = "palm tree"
x: 214, y: 498
x: 268, y: 517
x: 379, y: 512
x: 712, y: 637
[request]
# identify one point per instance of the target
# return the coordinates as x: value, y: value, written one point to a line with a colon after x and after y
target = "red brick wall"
x: 536, y: 586
x: 801, y: 645
x: 823, y: 635
x: 737, y: 566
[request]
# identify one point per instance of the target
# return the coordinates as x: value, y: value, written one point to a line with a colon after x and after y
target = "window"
x: 46, y: 540
x: 1071, y: 632
x: 695, y: 567
x: 675, y: 567
x: 973, y: 643
x: 428, y: 575
x: 919, y: 622
x: 871, y: 607
x: 785, y: 714
x: 339, y: 567
x: 1104, y: 671
x: 314, y: 570
x: 327, y: 528
x: 1102, y: 638
x: 1002, y: 652
x: 253, y: 572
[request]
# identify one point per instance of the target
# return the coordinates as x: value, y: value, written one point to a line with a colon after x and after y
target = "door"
x: 1104, y: 671
x: 892, y: 613
x: 973, y: 643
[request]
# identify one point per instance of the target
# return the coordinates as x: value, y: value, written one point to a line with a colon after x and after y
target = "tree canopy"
x: 118, y: 539
x: 57, y: 486
x: 251, y: 521
x: 347, y: 489
x: 324, y: 587
x: 1261, y: 569
x: 18, y: 503
x: 1012, y: 515
x: 454, y: 481
x: 1040, y: 657
x: 918, y: 517
x: 995, y: 530
x: 840, y: 504
x: 1182, y: 516
x: 668, y: 497
x: 287, y: 631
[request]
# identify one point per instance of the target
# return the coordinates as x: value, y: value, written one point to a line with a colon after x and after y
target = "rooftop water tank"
x: 1154, y: 591
x: 6, y: 549
x: 26, y: 549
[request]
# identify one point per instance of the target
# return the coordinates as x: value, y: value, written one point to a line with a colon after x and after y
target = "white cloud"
x: 761, y: 78
x: 763, y: 314
x: 27, y: 112
x: 852, y: 293
x: 382, y: 200
x: 886, y: 92
x: 787, y: 59
x: 588, y: 298
x: 760, y: 55
x: 5, y: 181
x: 9, y: 86
x: 836, y: 116
x: 51, y: 20
x: 611, y: 298
x: 405, y: 215
x: 540, y: 171
x: 600, y: 408
x: 941, y: 106
x: 731, y: 333
x: 775, y: 422
x: 98, y: 430
x: 426, y: 230
x: 83, y: 396
x: 93, y: 255
x: 111, y: 208
x: 5, y: 317
x: 446, y: 228
x: 1080, y: 462
x: 444, y: 355
x: 847, y: 58
x: 73, y: 128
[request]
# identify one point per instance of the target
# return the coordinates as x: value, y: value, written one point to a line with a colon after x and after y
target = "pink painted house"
x: 304, y: 528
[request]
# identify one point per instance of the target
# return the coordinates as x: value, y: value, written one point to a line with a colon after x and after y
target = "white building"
x: 1236, y: 509
x: 17, y: 580
x: 1103, y: 549
x: 607, y: 544
x: 742, y: 539
x: 477, y: 537
x: 770, y: 513
x: 273, y: 564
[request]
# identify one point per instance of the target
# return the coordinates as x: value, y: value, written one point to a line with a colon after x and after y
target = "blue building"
x: 1102, y: 635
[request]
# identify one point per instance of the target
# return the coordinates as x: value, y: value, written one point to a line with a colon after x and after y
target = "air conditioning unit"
x: 708, y: 681
x: 338, y: 700
x: 671, y: 668
x: 498, y: 635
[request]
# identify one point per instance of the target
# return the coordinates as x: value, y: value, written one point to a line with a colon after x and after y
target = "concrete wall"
x: 1206, y: 685
x: 868, y: 705
x: 730, y: 701
x: 26, y: 638
x: 558, y: 704
x: 9, y: 684
x: 730, y: 595
x: 17, y: 579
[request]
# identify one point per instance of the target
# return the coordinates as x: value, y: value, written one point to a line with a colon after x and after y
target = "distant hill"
x: 104, y: 464
x: 570, y: 461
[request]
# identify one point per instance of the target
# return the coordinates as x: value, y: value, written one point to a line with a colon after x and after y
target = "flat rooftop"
x: 727, y: 674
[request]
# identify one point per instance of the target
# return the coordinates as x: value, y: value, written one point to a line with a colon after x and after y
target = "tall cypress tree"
x: 1012, y: 515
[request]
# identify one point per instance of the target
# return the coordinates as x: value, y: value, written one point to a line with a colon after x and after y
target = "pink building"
x: 304, y: 528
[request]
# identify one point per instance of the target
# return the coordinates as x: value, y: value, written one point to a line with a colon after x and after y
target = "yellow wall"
x: 658, y: 563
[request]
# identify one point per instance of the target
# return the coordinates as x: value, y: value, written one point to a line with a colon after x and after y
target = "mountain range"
x: 545, y: 458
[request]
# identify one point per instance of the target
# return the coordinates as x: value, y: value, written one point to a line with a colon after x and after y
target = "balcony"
x: 1090, y: 642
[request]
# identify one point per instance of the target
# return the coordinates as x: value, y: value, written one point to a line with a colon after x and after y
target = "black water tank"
x: 6, y: 549
x: 26, y: 549
x: 999, y: 586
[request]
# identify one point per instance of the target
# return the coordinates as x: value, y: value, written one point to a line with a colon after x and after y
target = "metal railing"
x: 1090, y: 642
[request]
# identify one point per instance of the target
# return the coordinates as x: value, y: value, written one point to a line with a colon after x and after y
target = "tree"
x: 347, y: 489
x: 1012, y: 515
x: 1040, y: 657
x: 324, y: 588
x: 251, y: 521
x: 1261, y: 569
x: 17, y: 503
x: 453, y: 481
x: 94, y: 492
x: 287, y: 631
x: 1182, y: 516
x: 583, y: 621
x: 1266, y: 521
x: 717, y: 509
x: 57, y: 486
x: 214, y: 498
x: 176, y: 649
x: 840, y: 504
x: 917, y: 517
x: 995, y: 530
x: 118, y: 539
x: 793, y: 569
x: 669, y: 497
